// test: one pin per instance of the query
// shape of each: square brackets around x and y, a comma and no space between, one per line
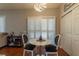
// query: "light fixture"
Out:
[40,6]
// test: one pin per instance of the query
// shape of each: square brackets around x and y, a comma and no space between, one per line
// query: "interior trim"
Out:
[69,11]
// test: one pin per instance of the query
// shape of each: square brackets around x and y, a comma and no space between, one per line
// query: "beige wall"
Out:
[16,19]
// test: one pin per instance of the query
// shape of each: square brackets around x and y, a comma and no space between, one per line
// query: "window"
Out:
[2,23]
[44,26]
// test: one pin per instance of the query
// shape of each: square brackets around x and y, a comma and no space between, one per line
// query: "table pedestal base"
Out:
[40,50]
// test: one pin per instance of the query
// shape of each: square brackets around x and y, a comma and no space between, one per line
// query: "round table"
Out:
[40,45]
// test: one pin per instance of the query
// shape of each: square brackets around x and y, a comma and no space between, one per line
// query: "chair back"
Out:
[57,40]
[24,39]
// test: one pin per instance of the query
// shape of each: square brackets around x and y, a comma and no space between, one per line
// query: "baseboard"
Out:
[62,52]
[3,46]
[14,46]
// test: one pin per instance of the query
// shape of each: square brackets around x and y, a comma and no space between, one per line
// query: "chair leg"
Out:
[24,52]
[32,53]
[57,54]
[46,54]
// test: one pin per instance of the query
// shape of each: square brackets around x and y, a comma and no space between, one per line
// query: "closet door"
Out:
[75,21]
[75,31]
[66,31]
[70,32]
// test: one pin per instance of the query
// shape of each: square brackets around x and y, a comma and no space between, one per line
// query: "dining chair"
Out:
[28,47]
[53,49]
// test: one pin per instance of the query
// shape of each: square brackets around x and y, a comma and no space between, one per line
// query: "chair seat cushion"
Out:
[50,48]
[30,47]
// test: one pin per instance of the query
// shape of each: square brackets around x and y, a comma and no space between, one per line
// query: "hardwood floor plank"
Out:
[13,51]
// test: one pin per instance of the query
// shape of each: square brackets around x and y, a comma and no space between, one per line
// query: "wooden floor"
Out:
[14,51]
[11,51]
[61,52]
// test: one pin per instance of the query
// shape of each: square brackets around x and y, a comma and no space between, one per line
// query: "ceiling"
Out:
[5,6]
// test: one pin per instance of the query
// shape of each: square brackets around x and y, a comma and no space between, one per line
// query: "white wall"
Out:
[16,19]
[15,22]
